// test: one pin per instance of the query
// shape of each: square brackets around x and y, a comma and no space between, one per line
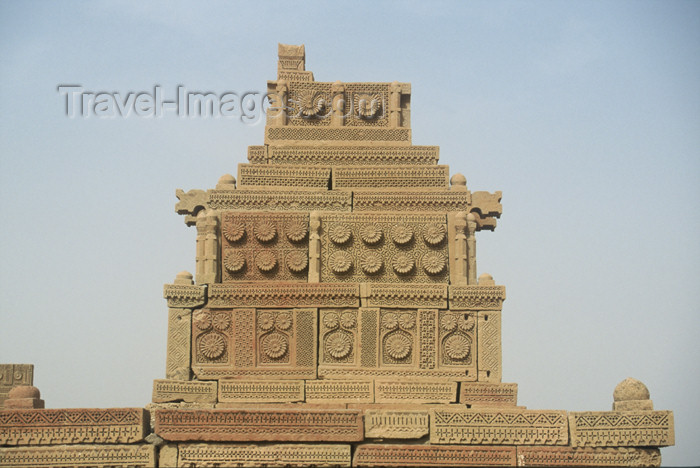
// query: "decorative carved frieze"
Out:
[432,455]
[587,456]
[339,391]
[284,295]
[390,391]
[500,427]
[622,429]
[86,426]
[474,297]
[358,178]
[280,200]
[177,362]
[352,156]
[12,375]
[239,425]
[67,456]
[261,391]
[479,394]
[337,136]
[257,154]
[457,339]
[404,295]
[396,424]
[489,346]
[287,177]
[190,391]
[410,200]
[253,456]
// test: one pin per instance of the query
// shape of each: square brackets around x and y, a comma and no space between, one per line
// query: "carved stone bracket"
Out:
[403,295]
[474,297]
[184,296]
[285,295]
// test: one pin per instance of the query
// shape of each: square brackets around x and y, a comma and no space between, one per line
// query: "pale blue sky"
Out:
[585,114]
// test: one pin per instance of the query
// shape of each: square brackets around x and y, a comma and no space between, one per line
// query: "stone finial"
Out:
[24,396]
[226,182]
[486,280]
[631,395]
[184,277]
[458,182]
[291,57]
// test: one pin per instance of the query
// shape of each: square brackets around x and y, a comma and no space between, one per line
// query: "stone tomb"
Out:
[336,318]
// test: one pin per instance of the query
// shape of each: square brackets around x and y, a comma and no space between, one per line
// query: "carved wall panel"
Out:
[338,337]
[359,178]
[264,246]
[457,338]
[254,343]
[383,248]
[351,156]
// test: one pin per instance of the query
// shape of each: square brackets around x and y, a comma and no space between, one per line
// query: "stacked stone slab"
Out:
[336,317]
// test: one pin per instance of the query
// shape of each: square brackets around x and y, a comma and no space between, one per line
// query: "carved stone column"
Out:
[395,104]
[338,104]
[471,249]
[457,225]
[207,248]
[282,90]
[314,248]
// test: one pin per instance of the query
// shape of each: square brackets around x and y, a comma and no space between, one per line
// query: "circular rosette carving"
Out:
[398,346]
[221,321]
[331,320]
[407,321]
[457,347]
[311,103]
[274,345]
[434,263]
[234,261]
[284,321]
[434,233]
[202,320]
[347,320]
[368,105]
[340,261]
[212,345]
[340,233]
[266,321]
[371,262]
[234,229]
[296,230]
[390,321]
[339,344]
[448,322]
[465,323]
[402,234]
[371,233]
[297,261]
[403,263]
[265,231]
[266,260]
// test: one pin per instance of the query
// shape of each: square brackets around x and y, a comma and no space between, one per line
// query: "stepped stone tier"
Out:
[336,318]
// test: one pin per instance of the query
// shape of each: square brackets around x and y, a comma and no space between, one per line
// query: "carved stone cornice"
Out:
[474,297]
[184,296]
[404,295]
[284,295]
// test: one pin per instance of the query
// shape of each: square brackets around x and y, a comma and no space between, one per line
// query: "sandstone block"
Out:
[622,429]
[288,177]
[260,391]
[231,425]
[499,427]
[67,456]
[431,455]
[192,391]
[276,455]
[387,391]
[478,394]
[339,391]
[12,375]
[587,456]
[358,178]
[396,424]
[167,456]
[61,426]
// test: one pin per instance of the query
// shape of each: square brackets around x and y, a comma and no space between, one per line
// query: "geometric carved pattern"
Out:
[488,394]
[430,455]
[369,337]
[188,391]
[586,456]
[354,156]
[621,428]
[474,297]
[404,295]
[263,391]
[260,425]
[428,350]
[277,455]
[277,135]
[358,178]
[300,178]
[489,346]
[67,456]
[12,375]
[411,201]
[339,391]
[56,426]
[415,392]
[279,200]
[396,424]
[284,295]
[177,364]
[244,337]
[501,427]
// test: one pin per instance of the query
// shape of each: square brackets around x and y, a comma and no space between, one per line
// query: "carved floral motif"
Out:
[402,234]
[398,346]
[275,345]
[367,105]
[371,262]
[234,261]
[371,233]
[212,345]
[296,230]
[265,230]
[434,263]
[340,233]
[221,321]
[234,229]
[297,261]
[434,233]
[457,346]
[339,344]
[340,261]
[266,260]
[403,263]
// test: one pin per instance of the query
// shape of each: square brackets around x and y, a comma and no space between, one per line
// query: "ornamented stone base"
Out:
[238,455]
[430,455]
[65,456]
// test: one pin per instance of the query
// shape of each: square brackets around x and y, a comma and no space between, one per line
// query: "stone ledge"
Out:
[431,455]
[277,455]
[586,456]
[284,295]
[192,391]
[66,456]
[622,429]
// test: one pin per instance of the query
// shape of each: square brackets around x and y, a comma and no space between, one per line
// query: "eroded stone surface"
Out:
[12,375]
[478,394]
[194,391]
[415,392]
[276,455]
[622,428]
[66,456]
[339,391]
[396,424]
[432,455]
[586,456]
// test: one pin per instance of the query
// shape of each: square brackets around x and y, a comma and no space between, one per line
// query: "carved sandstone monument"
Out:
[336,318]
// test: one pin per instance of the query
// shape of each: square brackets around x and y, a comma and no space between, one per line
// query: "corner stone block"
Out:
[192,391]
[622,429]
[276,455]
[586,456]
[430,455]
[67,456]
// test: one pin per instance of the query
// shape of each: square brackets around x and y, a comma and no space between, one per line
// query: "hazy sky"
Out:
[585,114]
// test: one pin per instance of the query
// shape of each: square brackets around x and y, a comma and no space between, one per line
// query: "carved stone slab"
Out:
[622,429]
[587,456]
[65,456]
[412,201]
[498,427]
[192,391]
[431,455]
[86,426]
[318,391]
[184,295]
[284,295]
[473,297]
[260,391]
[391,391]
[403,295]
[353,156]
[239,425]
[280,200]
[478,394]
[287,177]
[12,375]
[281,455]
[396,424]
[375,178]
[337,136]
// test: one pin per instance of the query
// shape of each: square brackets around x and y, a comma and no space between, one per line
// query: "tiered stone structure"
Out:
[336,317]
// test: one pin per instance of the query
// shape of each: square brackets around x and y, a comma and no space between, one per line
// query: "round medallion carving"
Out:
[296,230]
[434,263]
[284,321]
[465,324]
[340,261]
[398,346]
[266,321]
[434,233]
[390,321]
[402,234]
[297,261]
[339,344]
[457,347]
[234,230]
[368,105]
[221,321]
[448,322]
[347,320]
[340,233]
[202,320]
[407,321]
[212,345]
[371,262]
[311,103]
[403,263]
[234,261]
[265,231]
[331,320]
[274,345]
[266,260]
[371,233]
